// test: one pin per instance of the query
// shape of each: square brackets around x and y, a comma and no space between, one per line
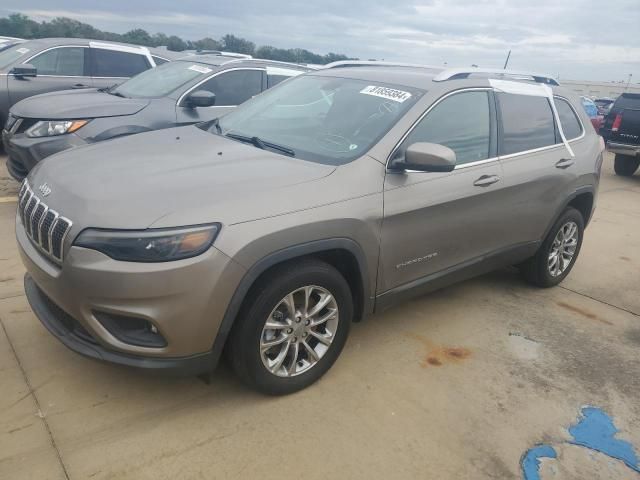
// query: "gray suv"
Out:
[186,91]
[49,64]
[315,204]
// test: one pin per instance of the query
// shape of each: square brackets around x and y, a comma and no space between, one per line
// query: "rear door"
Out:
[539,172]
[434,222]
[58,68]
[231,88]
[111,66]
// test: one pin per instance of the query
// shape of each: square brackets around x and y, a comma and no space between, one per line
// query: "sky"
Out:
[572,39]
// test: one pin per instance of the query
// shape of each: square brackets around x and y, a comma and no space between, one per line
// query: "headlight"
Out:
[153,245]
[49,128]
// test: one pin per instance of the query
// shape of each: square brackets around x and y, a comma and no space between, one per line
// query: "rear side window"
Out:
[527,123]
[275,75]
[570,123]
[112,63]
[68,61]
[461,122]
[234,87]
[158,60]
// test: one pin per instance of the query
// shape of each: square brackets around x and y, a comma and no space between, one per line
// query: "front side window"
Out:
[112,63]
[527,123]
[67,61]
[13,54]
[234,87]
[162,80]
[461,122]
[328,119]
[570,123]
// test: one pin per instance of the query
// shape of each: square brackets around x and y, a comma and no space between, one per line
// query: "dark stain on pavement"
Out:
[438,355]
[583,312]
[633,336]
[626,259]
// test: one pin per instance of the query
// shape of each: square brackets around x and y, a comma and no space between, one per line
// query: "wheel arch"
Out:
[582,199]
[344,254]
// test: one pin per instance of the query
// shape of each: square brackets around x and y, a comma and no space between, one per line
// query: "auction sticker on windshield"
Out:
[388,93]
[199,69]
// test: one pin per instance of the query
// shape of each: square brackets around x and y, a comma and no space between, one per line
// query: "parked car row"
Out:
[191,90]
[265,232]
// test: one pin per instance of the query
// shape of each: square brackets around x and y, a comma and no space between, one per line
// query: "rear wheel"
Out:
[292,328]
[558,252]
[625,165]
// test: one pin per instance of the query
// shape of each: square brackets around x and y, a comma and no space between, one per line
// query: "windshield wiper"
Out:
[258,142]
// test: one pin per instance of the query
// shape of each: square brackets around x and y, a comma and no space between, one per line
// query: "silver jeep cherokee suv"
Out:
[335,194]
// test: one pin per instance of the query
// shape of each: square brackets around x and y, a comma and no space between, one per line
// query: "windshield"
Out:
[162,80]
[11,54]
[324,119]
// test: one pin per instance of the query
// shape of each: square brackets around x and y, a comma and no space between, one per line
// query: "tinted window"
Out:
[275,79]
[460,122]
[235,87]
[570,123]
[60,61]
[527,123]
[158,60]
[111,63]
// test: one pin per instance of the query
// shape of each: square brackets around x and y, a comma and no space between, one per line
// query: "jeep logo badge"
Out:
[44,189]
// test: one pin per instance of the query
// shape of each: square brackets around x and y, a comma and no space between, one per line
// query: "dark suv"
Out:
[190,90]
[621,132]
[48,64]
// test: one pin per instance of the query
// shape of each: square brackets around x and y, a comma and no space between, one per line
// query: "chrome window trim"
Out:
[425,113]
[492,159]
[212,76]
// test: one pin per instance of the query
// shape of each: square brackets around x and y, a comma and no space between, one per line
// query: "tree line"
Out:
[18,25]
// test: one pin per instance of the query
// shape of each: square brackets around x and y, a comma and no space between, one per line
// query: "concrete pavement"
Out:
[457,384]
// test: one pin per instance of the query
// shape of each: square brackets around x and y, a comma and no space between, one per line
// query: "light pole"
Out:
[628,82]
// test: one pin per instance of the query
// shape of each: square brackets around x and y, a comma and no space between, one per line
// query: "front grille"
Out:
[46,228]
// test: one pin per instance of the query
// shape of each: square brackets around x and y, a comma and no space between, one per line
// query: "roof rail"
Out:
[375,63]
[459,73]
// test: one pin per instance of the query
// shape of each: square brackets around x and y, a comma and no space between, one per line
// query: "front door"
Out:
[231,88]
[437,222]
[59,68]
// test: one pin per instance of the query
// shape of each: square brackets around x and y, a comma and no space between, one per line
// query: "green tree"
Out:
[176,44]
[207,43]
[138,36]
[235,44]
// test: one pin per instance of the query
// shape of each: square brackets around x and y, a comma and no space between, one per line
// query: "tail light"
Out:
[616,123]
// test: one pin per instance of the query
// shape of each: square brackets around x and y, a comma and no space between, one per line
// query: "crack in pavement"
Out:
[35,399]
[600,301]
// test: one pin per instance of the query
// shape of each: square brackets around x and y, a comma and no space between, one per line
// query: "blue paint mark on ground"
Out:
[595,430]
[531,461]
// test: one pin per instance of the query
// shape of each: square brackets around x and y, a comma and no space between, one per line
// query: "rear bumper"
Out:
[71,333]
[24,153]
[623,148]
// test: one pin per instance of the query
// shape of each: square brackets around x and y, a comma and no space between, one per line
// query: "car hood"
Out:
[76,104]
[185,174]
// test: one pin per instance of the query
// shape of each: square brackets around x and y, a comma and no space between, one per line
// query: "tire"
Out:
[268,301]
[625,165]
[539,269]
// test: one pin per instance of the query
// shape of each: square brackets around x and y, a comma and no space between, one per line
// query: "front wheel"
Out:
[292,327]
[625,165]
[558,252]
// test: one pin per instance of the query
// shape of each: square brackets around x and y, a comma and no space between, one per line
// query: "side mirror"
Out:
[201,98]
[25,70]
[426,157]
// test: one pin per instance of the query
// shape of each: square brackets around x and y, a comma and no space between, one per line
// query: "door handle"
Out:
[79,85]
[486,180]
[565,163]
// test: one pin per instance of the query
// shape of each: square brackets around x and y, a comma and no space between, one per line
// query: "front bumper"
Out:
[23,153]
[623,148]
[66,329]
[184,300]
